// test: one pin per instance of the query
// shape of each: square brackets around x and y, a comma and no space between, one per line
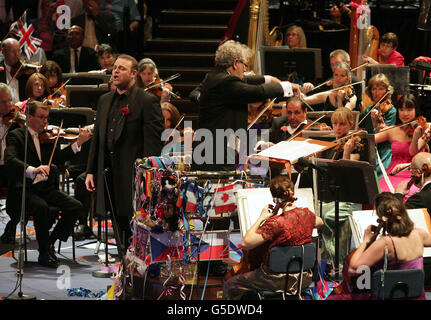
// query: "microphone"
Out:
[304,162]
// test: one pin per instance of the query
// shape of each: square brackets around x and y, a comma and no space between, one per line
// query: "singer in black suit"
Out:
[41,195]
[129,125]
[87,58]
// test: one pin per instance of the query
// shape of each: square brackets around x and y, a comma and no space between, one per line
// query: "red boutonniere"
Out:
[1,68]
[125,110]
[284,128]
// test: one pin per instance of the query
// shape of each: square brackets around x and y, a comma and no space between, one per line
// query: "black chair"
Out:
[289,260]
[54,212]
[397,284]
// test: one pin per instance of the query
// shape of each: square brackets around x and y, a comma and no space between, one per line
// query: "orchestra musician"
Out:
[41,195]
[148,74]
[335,57]
[402,140]
[400,247]
[7,123]
[284,127]
[295,37]
[11,69]
[36,89]
[376,117]
[333,99]
[293,226]
[342,122]
[53,73]
[420,170]
[387,53]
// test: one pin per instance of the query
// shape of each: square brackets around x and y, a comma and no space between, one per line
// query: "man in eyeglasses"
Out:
[387,53]
[224,97]
[45,193]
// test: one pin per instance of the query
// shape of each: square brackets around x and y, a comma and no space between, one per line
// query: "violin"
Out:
[157,86]
[50,134]
[349,282]
[356,139]
[24,68]
[14,116]
[348,92]
[267,116]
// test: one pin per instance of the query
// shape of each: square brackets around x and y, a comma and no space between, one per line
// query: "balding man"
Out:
[9,64]
[420,167]
[76,57]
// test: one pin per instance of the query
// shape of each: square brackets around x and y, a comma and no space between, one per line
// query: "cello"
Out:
[349,282]
[252,259]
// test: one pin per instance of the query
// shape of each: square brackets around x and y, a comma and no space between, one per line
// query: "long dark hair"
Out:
[411,102]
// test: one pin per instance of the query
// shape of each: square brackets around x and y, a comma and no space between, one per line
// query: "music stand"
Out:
[345,181]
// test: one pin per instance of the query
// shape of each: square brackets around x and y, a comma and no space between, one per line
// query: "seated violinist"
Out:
[420,170]
[333,99]
[36,89]
[11,69]
[148,75]
[404,141]
[40,195]
[284,127]
[290,227]
[387,53]
[401,246]
[379,114]
[342,122]
[52,71]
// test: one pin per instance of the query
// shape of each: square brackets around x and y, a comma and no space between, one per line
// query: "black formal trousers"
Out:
[40,196]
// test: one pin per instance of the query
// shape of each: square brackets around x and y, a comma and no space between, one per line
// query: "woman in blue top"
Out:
[382,116]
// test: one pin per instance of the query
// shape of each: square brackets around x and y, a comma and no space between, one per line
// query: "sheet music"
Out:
[360,220]
[252,201]
[291,150]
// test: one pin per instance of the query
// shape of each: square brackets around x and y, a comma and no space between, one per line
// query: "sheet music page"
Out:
[360,220]
[291,150]
[252,201]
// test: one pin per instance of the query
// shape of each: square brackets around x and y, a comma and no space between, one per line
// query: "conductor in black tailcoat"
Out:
[129,124]
[225,94]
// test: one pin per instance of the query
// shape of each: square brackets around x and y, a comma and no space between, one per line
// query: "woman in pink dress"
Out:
[404,142]
[401,243]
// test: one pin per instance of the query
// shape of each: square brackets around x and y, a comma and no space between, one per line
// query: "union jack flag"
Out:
[24,34]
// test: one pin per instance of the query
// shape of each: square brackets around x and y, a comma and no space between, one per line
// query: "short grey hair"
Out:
[4,88]
[229,51]
[340,53]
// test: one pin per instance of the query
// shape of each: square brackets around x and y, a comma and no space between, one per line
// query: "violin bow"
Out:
[176,126]
[14,76]
[261,113]
[397,126]
[55,143]
[296,134]
[375,105]
[345,86]
[152,85]
[305,102]
[59,88]
[360,66]
[347,136]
